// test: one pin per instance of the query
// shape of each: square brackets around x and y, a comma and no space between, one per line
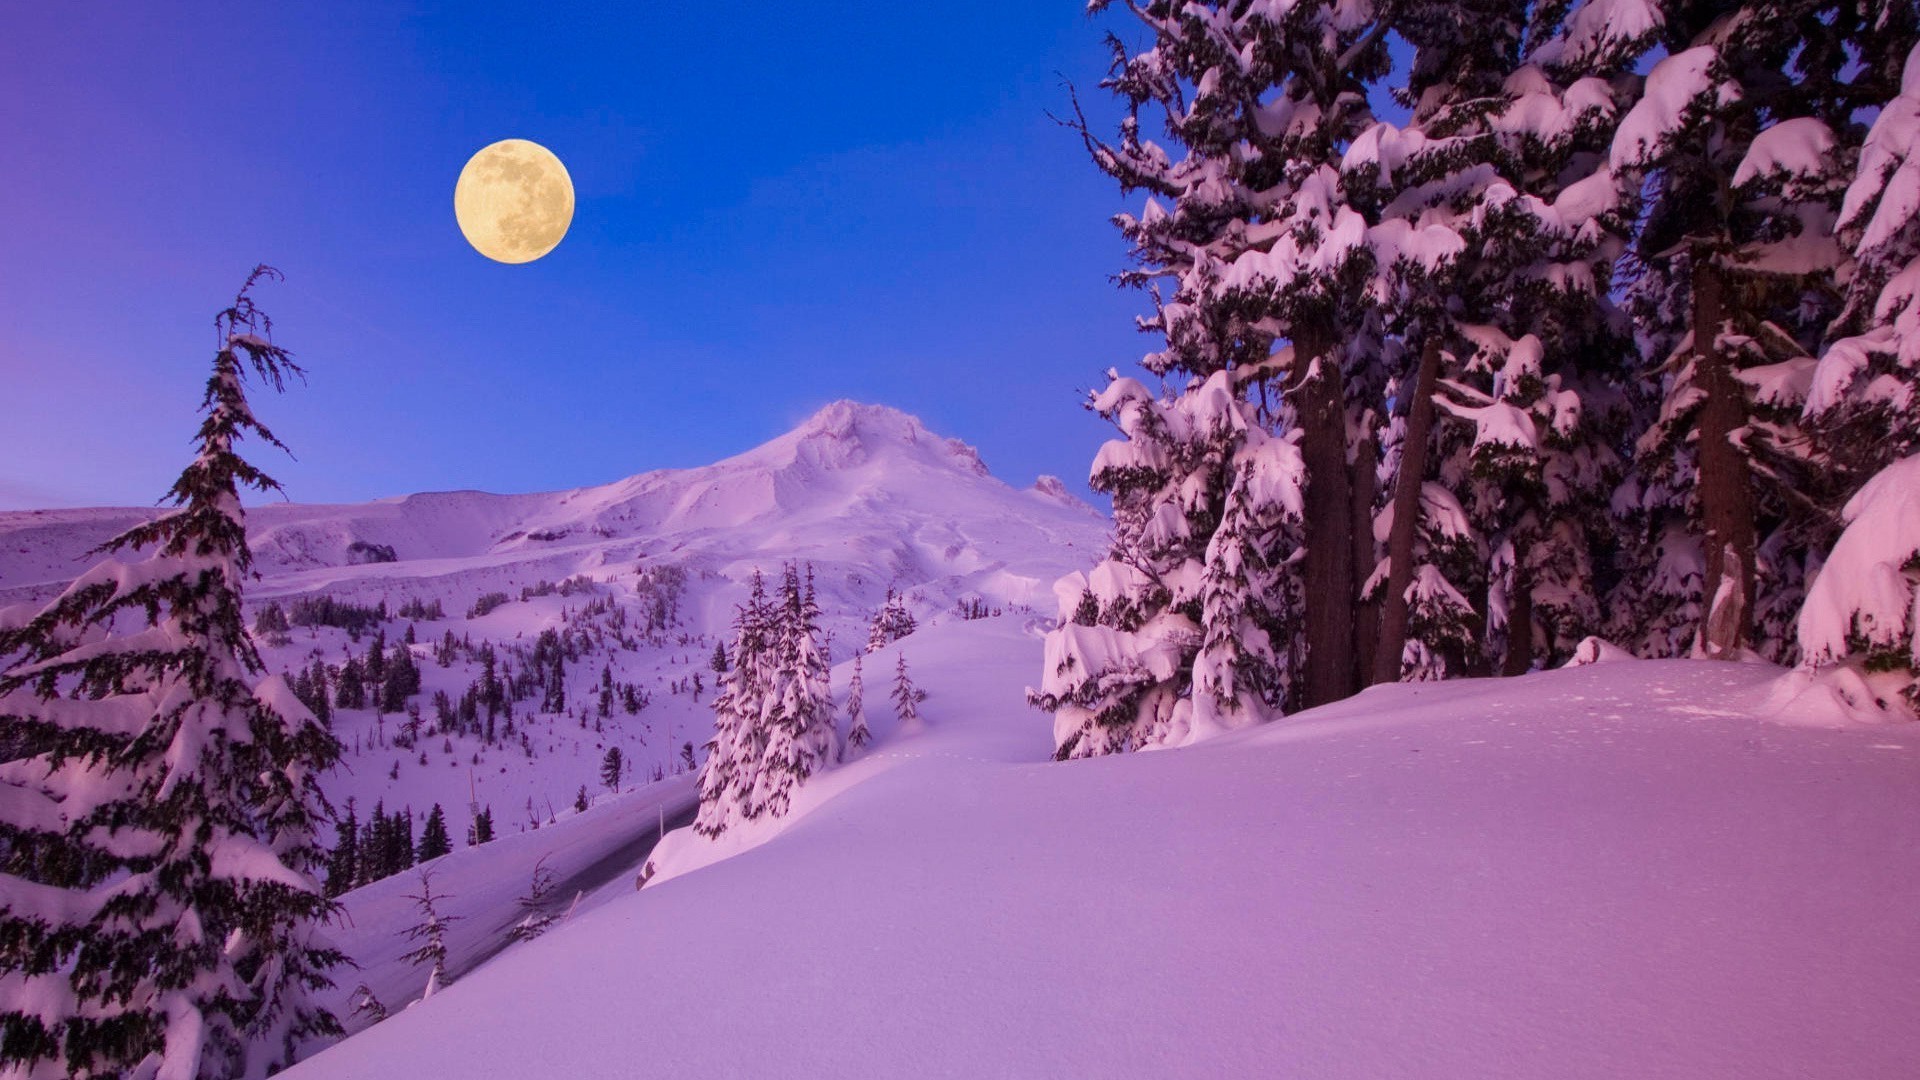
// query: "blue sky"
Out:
[777,206]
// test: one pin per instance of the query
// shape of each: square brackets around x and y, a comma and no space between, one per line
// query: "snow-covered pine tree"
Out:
[906,696]
[1741,139]
[1862,613]
[431,933]
[1191,628]
[159,824]
[797,710]
[729,771]
[537,919]
[1494,230]
[1864,401]
[858,734]
[612,768]
[891,623]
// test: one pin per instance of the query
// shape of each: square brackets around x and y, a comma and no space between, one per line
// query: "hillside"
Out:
[1636,868]
[637,580]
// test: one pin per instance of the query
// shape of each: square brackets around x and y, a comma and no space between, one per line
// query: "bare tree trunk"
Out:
[1366,613]
[1406,516]
[1725,485]
[1329,578]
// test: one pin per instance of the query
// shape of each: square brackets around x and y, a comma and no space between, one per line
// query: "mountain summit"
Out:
[865,492]
[847,433]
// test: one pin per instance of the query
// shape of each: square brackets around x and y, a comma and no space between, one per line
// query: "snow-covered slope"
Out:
[863,493]
[1627,869]
[863,489]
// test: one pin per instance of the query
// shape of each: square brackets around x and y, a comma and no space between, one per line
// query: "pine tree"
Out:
[1864,401]
[161,760]
[891,623]
[1232,588]
[351,692]
[612,768]
[1861,621]
[481,831]
[858,735]
[1740,140]
[431,933]
[373,846]
[434,841]
[343,865]
[322,695]
[401,854]
[374,668]
[796,710]
[729,771]
[906,697]
[1494,225]
[537,919]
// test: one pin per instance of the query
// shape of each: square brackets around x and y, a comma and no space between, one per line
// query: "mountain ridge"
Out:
[855,484]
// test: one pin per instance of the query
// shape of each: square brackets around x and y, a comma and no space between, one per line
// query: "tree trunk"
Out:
[1406,517]
[1725,486]
[1366,613]
[1519,658]
[1329,580]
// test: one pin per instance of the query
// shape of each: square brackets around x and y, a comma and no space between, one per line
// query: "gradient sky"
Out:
[777,206]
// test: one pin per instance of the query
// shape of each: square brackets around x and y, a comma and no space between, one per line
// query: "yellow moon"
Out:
[514,201]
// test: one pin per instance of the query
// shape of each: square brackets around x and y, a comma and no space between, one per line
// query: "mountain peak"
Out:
[848,432]
[846,418]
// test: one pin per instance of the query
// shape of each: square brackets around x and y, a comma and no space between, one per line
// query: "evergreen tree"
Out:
[537,918]
[351,692]
[906,697]
[1864,401]
[1740,261]
[431,933]
[1861,621]
[434,841]
[481,831]
[796,709]
[271,623]
[1494,225]
[162,760]
[374,669]
[400,849]
[322,694]
[858,735]
[1232,587]
[612,768]
[891,623]
[728,774]
[373,846]
[343,866]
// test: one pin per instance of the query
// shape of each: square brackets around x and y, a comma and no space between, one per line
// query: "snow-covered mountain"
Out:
[864,492]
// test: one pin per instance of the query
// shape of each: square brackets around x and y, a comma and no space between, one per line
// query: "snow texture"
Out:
[1615,870]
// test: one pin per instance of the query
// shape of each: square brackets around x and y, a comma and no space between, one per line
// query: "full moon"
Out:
[514,201]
